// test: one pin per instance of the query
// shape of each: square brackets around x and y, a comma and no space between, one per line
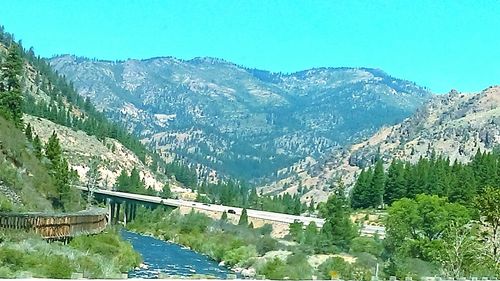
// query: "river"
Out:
[161,257]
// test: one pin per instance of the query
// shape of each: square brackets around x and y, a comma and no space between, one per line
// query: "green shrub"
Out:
[266,244]
[5,204]
[274,269]
[366,244]
[335,268]
[58,267]
[239,255]
[5,272]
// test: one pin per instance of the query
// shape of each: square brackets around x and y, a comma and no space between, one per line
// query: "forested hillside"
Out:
[40,102]
[246,123]
[454,126]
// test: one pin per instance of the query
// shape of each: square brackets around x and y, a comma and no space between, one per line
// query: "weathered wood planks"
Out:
[56,226]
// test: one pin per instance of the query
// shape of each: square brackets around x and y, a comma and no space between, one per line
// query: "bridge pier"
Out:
[117,213]
[111,211]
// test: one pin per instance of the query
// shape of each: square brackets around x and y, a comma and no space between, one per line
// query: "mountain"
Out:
[48,105]
[455,125]
[241,122]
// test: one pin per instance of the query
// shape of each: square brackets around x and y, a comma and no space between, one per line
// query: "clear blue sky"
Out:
[438,44]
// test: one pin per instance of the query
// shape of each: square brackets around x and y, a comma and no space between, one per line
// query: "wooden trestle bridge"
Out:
[57,226]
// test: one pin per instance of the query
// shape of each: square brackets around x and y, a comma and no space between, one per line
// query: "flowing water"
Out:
[160,257]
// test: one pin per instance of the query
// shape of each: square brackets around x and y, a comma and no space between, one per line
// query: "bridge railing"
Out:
[55,226]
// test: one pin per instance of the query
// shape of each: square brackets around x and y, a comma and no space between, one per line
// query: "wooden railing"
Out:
[56,226]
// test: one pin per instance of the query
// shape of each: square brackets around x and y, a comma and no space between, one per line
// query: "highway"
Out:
[270,216]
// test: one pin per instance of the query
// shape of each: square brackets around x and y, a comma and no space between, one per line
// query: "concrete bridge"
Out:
[57,226]
[279,221]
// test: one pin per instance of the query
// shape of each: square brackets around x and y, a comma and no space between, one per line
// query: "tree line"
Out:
[443,218]
[436,175]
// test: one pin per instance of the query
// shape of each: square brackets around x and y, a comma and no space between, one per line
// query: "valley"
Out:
[244,123]
[198,167]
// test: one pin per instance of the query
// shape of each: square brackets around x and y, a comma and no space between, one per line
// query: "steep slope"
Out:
[242,122]
[80,149]
[85,135]
[25,183]
[455,125]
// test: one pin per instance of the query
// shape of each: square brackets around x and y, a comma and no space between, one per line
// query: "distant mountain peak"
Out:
[243,122]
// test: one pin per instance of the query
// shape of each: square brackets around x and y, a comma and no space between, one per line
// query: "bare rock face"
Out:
[243,122]
[454,125]
[80,149]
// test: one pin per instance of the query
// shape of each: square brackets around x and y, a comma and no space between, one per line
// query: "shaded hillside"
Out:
[454,125]
[242,122]
[25,183]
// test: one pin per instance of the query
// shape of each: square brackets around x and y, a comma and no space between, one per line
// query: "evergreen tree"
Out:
[361,191]
[296,230]
[253,198]
[224,216]
[377,185]
[62,181]
[311,234]
[28,132]
[395,186]
[338,230]
[243,218]
[488,204]
[37,147]
[53,149]
[165,191]
[311,206]
[11,101]
[122,182]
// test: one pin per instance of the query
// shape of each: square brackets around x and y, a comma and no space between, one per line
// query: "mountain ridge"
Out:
[248,123]
[455,125]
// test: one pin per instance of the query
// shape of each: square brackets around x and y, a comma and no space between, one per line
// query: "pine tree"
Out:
[243,218]
[165,191]
[311,206]
[338,230]
[361,191]
[11,100]
[122,182]
[28,132]
[376,193]
[311,234]
[224,216]
[37,147]
[253,198]
[395,186]
[53,149]
[62,180]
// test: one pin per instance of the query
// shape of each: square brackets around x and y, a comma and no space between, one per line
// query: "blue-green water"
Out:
[170,259]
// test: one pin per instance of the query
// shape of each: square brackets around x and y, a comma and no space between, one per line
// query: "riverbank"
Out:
[105,255]
[249,251]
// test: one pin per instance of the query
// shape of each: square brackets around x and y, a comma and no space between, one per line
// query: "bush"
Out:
[366,244]
[266,229]
[335,268]
[111,246]
[297,267]
[266,244]
[274,269]
[5,204]
[239,255]
[58,267]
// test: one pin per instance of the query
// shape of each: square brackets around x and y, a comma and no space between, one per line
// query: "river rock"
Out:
[249,272]
[222,263]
